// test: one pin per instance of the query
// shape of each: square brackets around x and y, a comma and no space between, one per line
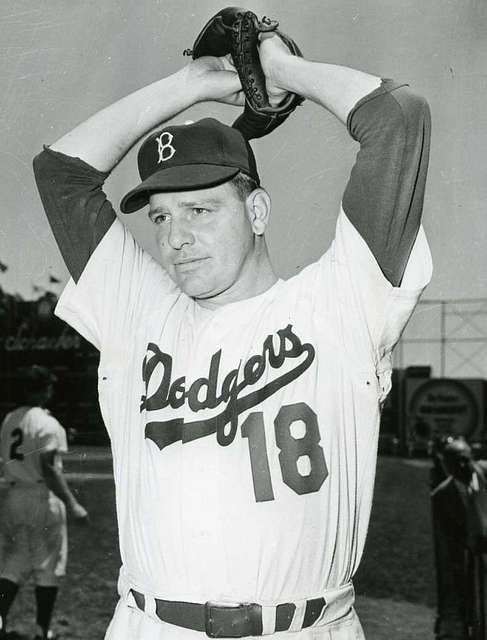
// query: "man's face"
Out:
[205,239]
[458,462]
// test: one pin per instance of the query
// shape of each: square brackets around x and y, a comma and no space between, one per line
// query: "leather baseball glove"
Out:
[236,31]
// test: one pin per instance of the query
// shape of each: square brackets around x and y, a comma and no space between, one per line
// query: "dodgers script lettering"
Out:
[208,392]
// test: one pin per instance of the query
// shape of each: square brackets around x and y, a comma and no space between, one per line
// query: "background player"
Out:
[33,535]
[290,376]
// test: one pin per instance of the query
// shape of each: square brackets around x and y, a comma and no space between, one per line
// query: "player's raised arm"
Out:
[384,196]
[71,172]
[106,137]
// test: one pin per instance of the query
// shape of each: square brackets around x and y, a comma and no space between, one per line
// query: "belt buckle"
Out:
[210,631]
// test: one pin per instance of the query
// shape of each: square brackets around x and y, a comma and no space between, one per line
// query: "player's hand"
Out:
[79,513]
[273,54]
[216,79]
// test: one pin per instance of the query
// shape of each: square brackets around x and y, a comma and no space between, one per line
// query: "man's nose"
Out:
[180,234]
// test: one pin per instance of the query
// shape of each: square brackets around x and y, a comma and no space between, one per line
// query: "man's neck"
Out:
[255,280]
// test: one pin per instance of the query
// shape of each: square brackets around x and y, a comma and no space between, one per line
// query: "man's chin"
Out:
[196,289]
[199,288]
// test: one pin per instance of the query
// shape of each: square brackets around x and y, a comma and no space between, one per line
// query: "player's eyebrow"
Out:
[211,202]
[202,202]
[188,204]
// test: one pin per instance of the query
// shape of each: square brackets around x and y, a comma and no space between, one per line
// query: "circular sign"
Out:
[442,407]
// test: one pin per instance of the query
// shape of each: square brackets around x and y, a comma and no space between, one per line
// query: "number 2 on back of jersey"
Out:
[295,452]
[17,436]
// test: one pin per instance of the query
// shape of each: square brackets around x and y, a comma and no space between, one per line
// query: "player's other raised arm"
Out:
[105,138]
[384,196]
[71,172]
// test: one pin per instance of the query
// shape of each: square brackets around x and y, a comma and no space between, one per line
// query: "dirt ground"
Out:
[394,585]
[385,619]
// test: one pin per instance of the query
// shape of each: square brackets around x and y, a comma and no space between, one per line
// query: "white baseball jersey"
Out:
[25,433]
[244,439]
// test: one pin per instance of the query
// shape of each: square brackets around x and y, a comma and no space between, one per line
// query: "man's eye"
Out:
[160,218]
[199,211]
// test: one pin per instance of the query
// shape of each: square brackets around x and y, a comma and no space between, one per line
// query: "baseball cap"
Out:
[37,378]
[457,447]
[187,157]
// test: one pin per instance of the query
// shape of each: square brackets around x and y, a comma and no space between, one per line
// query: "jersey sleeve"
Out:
[119,285]
[51,435]
[379,263]
[384,196]
[76,206]
[62,439]
[113,280]
[370,312]
[2,463]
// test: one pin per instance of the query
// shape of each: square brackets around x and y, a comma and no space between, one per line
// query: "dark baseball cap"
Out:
[187,157]
[457,448]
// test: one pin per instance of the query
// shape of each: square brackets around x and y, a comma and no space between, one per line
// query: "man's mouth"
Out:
[186,264]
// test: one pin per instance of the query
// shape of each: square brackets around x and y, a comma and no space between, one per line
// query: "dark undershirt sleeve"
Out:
[76,206]
[384,196]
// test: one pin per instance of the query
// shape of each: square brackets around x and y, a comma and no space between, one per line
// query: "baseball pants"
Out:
[33,536]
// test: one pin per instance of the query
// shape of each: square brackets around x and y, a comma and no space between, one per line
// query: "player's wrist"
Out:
[184,90]
[209,79]
[197,83]
[284,73]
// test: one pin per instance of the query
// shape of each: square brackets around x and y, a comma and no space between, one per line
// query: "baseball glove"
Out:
[236,31]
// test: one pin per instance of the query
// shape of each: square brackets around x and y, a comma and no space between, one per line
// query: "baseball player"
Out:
[243,410]
[33,534]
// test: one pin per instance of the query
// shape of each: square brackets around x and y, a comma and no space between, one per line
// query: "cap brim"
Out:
[187,177]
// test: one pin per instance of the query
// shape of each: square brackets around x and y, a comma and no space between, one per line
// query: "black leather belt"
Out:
[228,621]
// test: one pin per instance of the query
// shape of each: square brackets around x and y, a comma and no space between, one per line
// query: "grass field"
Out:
[394,585]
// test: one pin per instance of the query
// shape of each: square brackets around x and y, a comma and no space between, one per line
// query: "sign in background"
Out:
[444,406]
[31,334]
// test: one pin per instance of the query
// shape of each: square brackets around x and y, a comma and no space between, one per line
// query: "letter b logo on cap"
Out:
[164,147]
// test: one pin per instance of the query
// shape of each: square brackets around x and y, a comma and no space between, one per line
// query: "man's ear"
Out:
[258,206]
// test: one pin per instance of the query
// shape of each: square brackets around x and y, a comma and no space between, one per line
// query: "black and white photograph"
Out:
[243,320]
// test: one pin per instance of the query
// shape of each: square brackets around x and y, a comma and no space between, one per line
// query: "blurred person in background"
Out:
[33,532]
[459,507]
